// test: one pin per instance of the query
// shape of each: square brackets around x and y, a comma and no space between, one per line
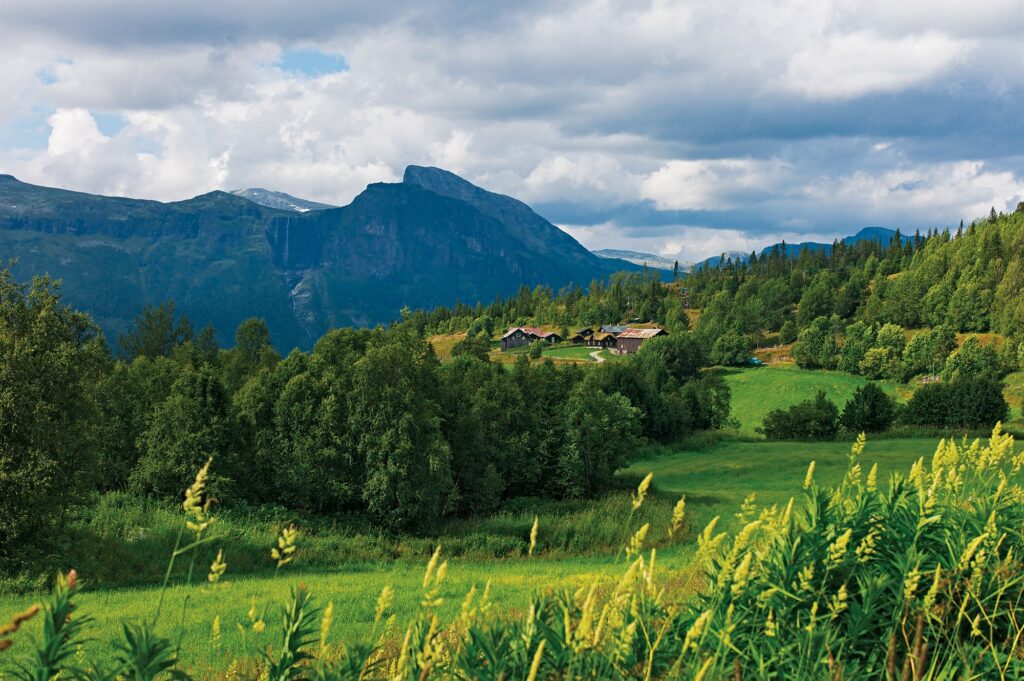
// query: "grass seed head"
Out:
[217,568]
[641,491]
[431,566]
[284,552]
[809,478]
[678,513]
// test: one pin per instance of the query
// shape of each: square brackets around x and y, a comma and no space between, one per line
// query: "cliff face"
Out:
[427,241]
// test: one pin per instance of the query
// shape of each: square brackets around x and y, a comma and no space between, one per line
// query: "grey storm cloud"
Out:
[651,125]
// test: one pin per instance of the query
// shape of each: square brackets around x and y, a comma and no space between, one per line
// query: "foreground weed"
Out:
[917,579]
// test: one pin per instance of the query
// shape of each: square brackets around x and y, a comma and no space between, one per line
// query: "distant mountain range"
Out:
[426,241]
[644,259]
[878,234]
[265,197]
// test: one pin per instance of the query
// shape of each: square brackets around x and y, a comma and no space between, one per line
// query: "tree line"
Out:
[368,422]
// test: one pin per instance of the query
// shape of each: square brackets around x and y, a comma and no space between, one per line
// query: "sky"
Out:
[679,128]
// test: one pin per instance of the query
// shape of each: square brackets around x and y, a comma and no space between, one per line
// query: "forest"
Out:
[369,422]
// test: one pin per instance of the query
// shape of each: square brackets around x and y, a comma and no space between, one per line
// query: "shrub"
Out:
[788,332]
[731,348]
[814,419]
[972,360]
[536,349]
[881,363]
[870,410]
[474,346]
[964,403]
[816,346]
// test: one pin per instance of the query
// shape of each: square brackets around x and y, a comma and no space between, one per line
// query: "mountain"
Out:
[280,200]
[649,259]
[426,241]
[881,235]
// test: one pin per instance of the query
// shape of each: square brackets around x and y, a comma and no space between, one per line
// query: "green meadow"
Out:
[757,391]
[350,570]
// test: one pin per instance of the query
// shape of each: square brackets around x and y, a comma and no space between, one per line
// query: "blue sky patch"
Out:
[312,63]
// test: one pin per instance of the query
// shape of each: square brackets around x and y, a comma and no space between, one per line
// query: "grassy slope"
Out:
[714,480]
[755,392]
[353,593]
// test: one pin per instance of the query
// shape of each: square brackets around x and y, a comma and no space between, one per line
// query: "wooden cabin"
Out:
[629,341]
[518,336]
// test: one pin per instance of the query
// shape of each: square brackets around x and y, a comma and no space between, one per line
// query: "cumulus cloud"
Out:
[710,184]
[932,193]
[667,125]
[851,65]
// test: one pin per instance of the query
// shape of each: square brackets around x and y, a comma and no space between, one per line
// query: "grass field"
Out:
[714,476]
[353,592]
[576,539]
[717,478]
[444,343]
[757,391]
[574,352]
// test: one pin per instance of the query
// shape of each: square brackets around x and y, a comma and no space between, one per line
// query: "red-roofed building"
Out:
[518,336]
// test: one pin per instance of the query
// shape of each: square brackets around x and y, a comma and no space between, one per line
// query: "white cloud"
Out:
[709,184]
[763,115]
[942,193]
[844,66]
[73,131]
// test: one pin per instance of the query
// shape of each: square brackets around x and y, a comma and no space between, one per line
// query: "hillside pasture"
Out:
[757,391]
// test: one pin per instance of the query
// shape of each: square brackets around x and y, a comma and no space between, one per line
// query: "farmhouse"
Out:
[601,340]
[581,337]
[629,341]
[518,336]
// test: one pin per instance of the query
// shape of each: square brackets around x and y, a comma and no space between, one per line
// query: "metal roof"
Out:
[641,333]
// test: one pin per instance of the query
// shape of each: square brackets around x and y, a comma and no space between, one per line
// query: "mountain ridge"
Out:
[279,200]
[422,243]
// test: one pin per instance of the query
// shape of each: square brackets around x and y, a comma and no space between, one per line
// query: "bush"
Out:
[965,403]
[788,332]
[881,363]
[815,419]
[816,346]
[972,360]
[536,349]
[870,410]
[731,348]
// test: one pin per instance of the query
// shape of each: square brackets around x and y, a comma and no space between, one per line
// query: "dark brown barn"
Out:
[630,340]
[518,336]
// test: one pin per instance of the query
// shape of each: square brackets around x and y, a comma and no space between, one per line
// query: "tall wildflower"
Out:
[217,568]
[533,535]
[284,552]
[194,505]
[678,512]
[809,478]
[641,491]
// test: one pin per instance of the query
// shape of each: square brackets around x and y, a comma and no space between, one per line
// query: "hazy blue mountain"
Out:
[427,241]
[272,199]
[638,258]
[879,234]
